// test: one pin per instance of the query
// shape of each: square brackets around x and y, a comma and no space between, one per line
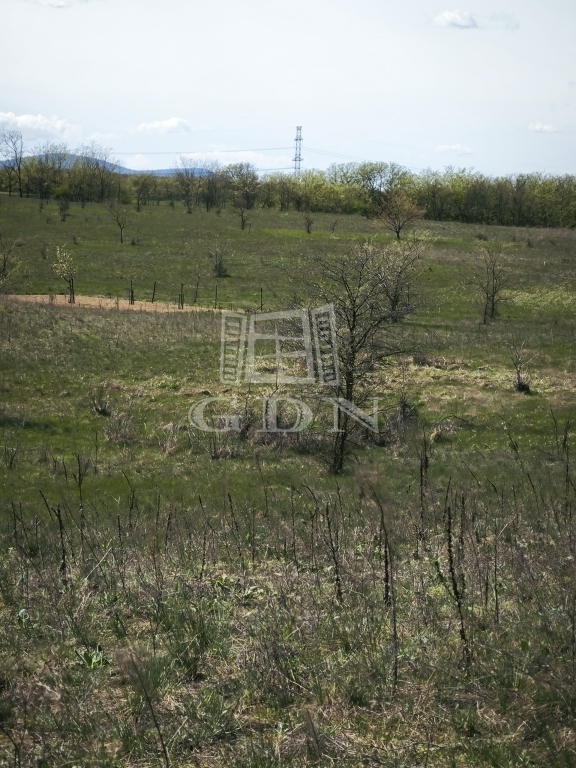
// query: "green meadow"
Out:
[174,597]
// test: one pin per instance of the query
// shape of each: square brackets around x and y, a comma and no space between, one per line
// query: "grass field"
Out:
[186,598]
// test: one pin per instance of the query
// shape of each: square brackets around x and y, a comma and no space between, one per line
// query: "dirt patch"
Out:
[98,302]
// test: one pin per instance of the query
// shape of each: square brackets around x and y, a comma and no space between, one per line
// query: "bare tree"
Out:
[217,254]
[490,277]
[244,219]
[354,284]
[120,216]
[12,150]
[333,224]
[198,275]
[213,183]
[65,268]
[397,211]
[63,205]
[96,170]
[8,264]
[398,273]
[520,360]
[187,177]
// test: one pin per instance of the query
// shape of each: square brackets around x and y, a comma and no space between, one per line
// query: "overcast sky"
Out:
[489,85]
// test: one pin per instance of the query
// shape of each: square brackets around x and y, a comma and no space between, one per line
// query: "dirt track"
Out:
[97,302]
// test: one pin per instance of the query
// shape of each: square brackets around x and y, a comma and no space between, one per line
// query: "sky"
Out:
[489,85]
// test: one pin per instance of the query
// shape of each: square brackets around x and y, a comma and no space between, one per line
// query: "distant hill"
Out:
[158,172]
[71,159]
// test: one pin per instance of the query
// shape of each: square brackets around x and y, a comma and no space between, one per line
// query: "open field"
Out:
[177,597]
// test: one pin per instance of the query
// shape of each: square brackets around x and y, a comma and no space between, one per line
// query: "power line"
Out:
[335,154]
[297,160]
[206,151]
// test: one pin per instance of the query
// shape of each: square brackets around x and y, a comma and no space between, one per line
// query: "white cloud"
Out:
[465,20]
[171,125]
[455,149]
[38,126]
[457,18]
[541,128]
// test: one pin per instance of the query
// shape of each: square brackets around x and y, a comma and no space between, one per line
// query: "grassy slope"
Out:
[243,541]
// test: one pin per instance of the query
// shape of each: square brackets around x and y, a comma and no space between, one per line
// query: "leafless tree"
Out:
[63,206]
[8,263]
[244,219]
[398,273]
[120,216]
[213,182]
[187,177]
[354,284]
[96,166]
[308,222]
[198,275]
[520,360]
[490,276]
[217,255]
[12,151]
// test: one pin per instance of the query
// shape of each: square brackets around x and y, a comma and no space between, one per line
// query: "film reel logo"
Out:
[291,347]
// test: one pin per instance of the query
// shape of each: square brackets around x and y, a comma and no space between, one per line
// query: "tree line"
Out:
[90,174]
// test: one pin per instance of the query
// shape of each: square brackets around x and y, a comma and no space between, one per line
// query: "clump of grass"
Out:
[120,428]
[100,399]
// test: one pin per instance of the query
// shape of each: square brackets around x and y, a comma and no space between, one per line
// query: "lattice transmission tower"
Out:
[297,150]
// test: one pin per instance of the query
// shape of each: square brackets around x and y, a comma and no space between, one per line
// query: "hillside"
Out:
[183,597]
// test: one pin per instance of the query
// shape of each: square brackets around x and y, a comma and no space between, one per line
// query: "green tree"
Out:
[244,184]
[143,187]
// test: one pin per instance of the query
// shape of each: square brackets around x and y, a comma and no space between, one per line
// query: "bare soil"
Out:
[99,302]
